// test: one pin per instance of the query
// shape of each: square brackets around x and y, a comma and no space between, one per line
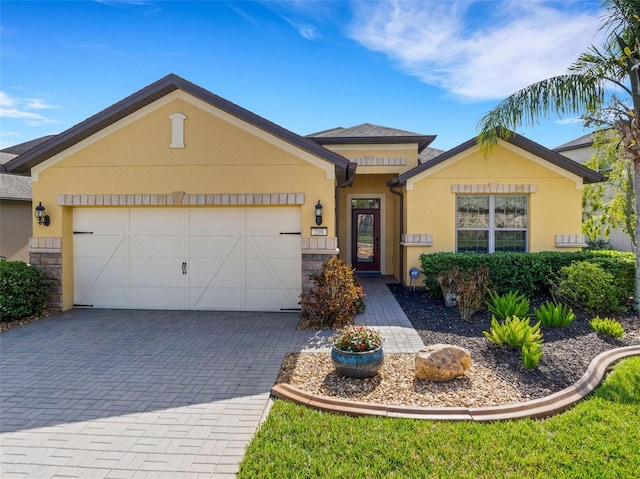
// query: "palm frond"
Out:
[560,95]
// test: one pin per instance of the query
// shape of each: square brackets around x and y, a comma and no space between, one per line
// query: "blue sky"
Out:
[431,67]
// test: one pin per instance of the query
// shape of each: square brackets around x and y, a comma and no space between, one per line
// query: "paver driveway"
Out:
[137,393]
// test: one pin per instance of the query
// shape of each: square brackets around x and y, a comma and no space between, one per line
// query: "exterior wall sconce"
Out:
[41,217]
[318,213]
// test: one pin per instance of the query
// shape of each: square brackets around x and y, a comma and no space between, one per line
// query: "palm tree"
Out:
[583,90]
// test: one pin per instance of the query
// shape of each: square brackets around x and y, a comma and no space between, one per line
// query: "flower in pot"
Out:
[357,351]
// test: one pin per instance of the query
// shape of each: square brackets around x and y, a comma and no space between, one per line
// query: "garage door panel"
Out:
[161,221]
[103,297]
[99,220]
[284,246]
[268,300]
[156,298]
[222,299]
[157,246]
[234,258]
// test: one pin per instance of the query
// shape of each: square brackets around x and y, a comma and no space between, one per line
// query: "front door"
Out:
[365,235]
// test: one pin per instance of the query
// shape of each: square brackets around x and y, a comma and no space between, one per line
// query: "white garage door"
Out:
[242,259]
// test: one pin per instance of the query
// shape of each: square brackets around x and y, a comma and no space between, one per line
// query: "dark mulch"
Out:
[566,352]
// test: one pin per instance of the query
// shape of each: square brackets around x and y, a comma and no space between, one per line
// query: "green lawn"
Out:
[598,438]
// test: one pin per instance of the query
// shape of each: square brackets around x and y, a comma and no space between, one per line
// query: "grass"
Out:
[599,437]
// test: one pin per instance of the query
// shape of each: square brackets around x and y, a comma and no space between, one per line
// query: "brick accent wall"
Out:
[46,255]
[316,252]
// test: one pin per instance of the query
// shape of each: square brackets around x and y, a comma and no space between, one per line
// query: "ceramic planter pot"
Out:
[357,365]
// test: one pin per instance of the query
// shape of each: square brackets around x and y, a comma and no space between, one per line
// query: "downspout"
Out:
[350,174]
[392,184]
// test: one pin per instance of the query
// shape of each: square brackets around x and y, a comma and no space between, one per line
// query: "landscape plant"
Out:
[23,290]
[513,332]
[587,286]
[333,299]
[470,292]
[357,339]
[552,315]
[531,355]
[608,326]
[510,304]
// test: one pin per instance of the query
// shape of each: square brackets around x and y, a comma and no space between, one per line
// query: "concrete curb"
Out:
[536,408]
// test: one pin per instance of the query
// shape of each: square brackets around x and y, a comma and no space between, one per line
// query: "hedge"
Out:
[528,273]
[23,290]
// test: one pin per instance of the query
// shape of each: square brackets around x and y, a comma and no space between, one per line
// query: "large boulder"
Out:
[442,362]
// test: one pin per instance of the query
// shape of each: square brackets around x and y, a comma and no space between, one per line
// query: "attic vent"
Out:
[177,129]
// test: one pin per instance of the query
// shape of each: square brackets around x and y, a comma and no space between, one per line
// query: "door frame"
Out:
[374,196]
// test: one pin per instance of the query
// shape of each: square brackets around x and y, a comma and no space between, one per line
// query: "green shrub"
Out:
[554,315]
[587,286]
[610,327]
[333,300]
[531,355]
[527,273]
[23,290]
[510,304]
[514,332]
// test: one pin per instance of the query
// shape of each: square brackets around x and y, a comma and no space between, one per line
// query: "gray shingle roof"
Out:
[429,154]
[368,133]
[13,187]
[363,130]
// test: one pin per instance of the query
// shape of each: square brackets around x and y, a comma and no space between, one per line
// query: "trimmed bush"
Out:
[334,299]
[527,273]
[587,286]
[23,290]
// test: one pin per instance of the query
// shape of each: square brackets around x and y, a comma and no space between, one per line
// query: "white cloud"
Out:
[477,50]
[21,109]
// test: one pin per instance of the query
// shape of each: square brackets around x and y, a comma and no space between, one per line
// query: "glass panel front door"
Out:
[365,237]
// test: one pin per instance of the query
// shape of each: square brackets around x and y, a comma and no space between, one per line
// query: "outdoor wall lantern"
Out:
[318,213]
[42,218]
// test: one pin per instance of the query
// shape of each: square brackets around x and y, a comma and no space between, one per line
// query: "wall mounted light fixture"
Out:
[318,213]
[41,217]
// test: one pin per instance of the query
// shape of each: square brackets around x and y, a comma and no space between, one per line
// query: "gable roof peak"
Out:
[146,96]
[588,175]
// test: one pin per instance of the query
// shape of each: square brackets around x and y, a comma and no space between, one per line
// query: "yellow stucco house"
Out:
[175,198]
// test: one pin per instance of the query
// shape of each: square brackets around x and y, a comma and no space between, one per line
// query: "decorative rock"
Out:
[442,362]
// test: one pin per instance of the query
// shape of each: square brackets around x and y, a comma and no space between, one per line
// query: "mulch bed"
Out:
[567,352]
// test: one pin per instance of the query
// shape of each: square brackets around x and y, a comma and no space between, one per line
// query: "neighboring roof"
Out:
[584,141]
[587,174]
[15,187]
[16,150]
[24,162]
[368,133]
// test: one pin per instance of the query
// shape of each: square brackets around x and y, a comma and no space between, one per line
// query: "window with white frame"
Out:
[491,223]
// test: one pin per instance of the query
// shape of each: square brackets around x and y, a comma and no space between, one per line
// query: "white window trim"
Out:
[177,129]
[491,248]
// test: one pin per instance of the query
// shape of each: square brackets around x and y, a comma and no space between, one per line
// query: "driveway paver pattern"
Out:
[117,394]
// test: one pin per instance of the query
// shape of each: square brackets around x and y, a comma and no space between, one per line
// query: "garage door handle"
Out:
[184,268]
